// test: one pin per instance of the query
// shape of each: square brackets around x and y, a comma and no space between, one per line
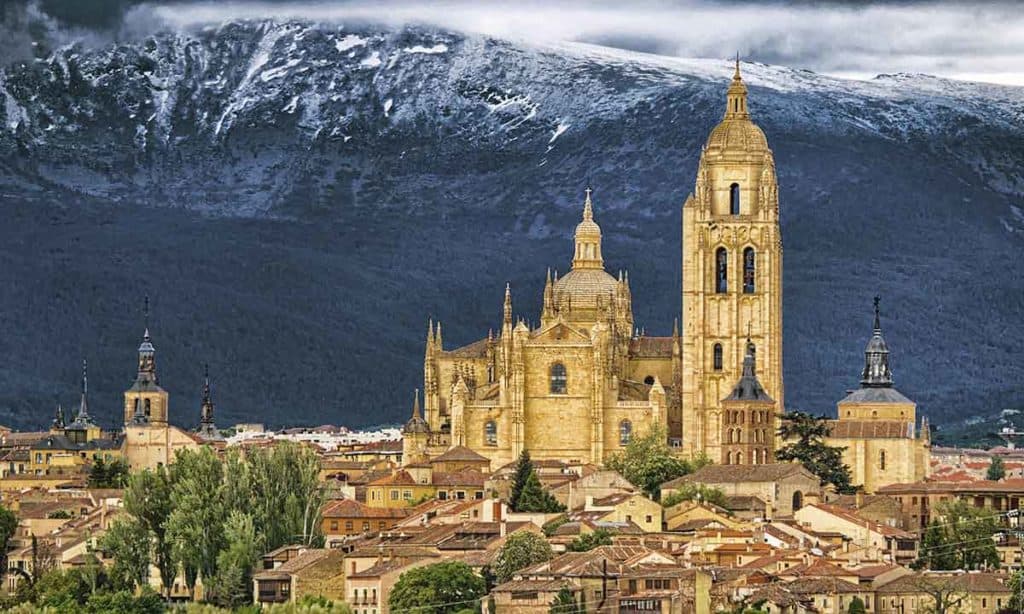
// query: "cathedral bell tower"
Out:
[732,273]
[146,402]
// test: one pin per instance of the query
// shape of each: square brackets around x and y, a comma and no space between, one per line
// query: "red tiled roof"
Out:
[349,508]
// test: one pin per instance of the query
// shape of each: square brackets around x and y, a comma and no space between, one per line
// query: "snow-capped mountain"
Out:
[299,198]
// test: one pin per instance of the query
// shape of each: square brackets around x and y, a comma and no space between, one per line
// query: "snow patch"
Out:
[279,71]
[558,132]
[349,42]
[373,61]
[13,111]
[438,48]
[387,106]
[292,105]
[259,59]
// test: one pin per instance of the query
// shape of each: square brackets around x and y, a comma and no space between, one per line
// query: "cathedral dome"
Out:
[582,287]
[740,135]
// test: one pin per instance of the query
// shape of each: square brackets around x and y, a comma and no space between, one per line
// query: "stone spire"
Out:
[736,96]
[147,353]
[877,373]
[749,388]
[507,311]
[587,254]
[207,428]
[83,408]
[416,423]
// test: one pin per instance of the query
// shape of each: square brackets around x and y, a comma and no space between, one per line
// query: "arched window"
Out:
[649,380]
[718,357]
[734,199]
[881,460]
[728,458]
[147,408]
[491,433]
[748,270]
[728,436]
[558,379]
[739,458]
[721,271]
[625,432]
[798,500]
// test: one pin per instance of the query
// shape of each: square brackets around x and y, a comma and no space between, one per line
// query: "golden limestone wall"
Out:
[734,208]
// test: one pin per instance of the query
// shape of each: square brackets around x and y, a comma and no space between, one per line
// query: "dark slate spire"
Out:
[749,388]
[416,423]
[877,373]
[58,419]
[83,408]
[207,428]
[147,353]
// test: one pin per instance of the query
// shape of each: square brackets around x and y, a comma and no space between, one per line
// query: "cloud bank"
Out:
[977,41]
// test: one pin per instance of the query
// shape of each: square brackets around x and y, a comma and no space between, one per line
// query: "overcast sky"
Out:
[964,40]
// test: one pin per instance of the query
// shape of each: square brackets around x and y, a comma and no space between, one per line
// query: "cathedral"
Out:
[584,382]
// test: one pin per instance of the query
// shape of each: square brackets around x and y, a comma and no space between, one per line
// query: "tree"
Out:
[107,475]
[806,436]
[856,606]
[285,495]
[148,498]
[521,550]
[44,556]
[565,603]
[232,586]
[589,541]
[128,542]
[960,538]
[441,588]
[648,462]
[195,527]
[524,468]
[996,469]
[691,492]
[533,498]
[945,593]
[8,525]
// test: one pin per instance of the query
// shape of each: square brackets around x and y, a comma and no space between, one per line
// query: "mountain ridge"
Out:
[238,173]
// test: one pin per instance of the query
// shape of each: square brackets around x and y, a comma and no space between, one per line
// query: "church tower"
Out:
[146,402]
[207,427]
[732,274]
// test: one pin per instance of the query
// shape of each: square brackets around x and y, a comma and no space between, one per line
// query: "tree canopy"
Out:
[589,541]
[521,550]
[440,588]
[694,492]
[996,469]
[648,462]
[806,435]
[961,537]
[527,494]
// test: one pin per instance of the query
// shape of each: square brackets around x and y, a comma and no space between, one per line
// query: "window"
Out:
[558,379]
[334,525]
[394,495]
[734,199]
[881,460]
[147,408]
[721,271]
[491,433]
[649,380]
[348,525]
[748,270]
[625,432]
[478,495]
[366,525]
[718,357]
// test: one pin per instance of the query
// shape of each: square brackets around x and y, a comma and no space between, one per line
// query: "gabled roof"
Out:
[876,395]
[733,474]
[460,454]
[970,582]
[350,508]
[871,429]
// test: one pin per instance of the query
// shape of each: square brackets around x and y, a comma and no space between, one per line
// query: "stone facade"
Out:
[580,385]
[877,425]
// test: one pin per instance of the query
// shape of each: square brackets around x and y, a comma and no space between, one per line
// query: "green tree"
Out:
[692,492]
[148,498]
[125,602]
[285,495]
[996,469]
[521,550]
[232,586]
[960,538]
[441,588]
[128,542]
[195,527]
[589,541]
[565,603]
[8,525]
[806,435]
[648,462]
[534,498]
[857,606]
[64,591]
[524,468]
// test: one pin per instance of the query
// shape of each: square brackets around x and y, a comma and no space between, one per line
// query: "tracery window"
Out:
[881,460]
[718,357]
[721,271]
[748,270]
[625,432]
[558,379]
[734,199]
[491,433]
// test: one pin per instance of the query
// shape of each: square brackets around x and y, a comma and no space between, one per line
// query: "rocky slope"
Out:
[298,199]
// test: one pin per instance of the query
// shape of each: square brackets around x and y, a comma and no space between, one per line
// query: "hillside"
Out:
[298,198]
